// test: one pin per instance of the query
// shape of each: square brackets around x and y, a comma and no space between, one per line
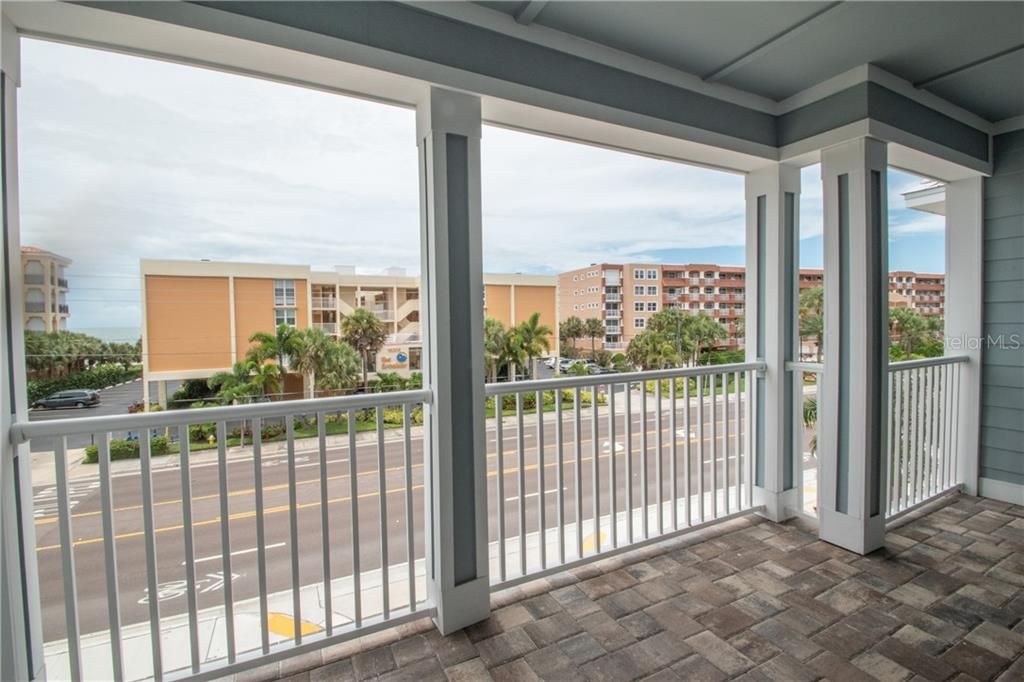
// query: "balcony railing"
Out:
[34,279]
[325,302]
[35,307]
[356,566]
[612,298]
[62,283]
[328,327]
[614,345]
[612,314]
[384,314]
[623,460]
[923,430]
[64,308]
[394,339]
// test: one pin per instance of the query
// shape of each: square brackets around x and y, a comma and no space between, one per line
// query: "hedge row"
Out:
[128,449]
[95,378]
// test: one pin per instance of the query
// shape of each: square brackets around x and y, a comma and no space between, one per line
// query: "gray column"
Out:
[448,130]
[853,403]
[20,625]
[773,200]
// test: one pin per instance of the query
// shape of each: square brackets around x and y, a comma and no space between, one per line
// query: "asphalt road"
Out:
[206,512]
[114,400]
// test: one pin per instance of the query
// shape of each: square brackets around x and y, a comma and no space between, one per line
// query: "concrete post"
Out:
[853,401]
[772,288]
[448,131]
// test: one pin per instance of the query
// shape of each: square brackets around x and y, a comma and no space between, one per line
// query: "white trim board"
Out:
[1001,490]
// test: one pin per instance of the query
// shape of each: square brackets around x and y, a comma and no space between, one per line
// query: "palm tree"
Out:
[651,350]
[533,339]
[277,346]
[235,384]
[364,332]
[312,353]
[673,324]
[570,330]
[495,345]
[266,378]
[812,317]
[342,369]
[704,333]
[593,328]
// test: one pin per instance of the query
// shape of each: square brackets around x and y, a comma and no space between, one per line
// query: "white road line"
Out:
[218,557]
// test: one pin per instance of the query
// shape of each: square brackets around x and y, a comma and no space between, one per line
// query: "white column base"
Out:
[463,605]
[778,506]
[862,536]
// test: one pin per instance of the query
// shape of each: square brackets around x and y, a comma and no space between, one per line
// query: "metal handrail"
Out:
[626,377]
[21,432]
[929,362]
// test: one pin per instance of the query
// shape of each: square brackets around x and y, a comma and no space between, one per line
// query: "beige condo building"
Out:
[198,316]
[45,289]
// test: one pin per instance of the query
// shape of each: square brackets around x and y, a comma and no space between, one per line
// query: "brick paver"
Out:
[944,600]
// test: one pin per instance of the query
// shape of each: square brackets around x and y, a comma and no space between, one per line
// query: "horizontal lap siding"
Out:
[1002,418]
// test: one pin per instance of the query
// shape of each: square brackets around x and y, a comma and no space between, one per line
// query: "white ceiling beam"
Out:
[529,12]
[762,49]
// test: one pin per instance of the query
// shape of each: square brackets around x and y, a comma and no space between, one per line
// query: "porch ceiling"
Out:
[965,52]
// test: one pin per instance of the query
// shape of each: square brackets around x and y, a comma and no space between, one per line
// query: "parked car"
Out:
[551,362]
[76,398]
[597,369]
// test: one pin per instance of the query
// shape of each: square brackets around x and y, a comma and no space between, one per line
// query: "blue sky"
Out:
[125,158]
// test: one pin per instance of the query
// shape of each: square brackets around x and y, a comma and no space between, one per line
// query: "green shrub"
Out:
[270,431]
[128,449]
[201,432]
[95,378]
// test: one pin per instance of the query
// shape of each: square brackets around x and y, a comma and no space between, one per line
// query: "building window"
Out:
[638,291]
[652,306]
[638,274]
[284,316]
[652,274]
[638,306]
[284,292]
[652,291]
[639,323]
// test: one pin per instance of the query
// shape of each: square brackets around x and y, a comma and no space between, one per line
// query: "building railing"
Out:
[318,538]
[328,327]
[613,314]
[401,338]
[62,283]
[31,278]
[923,426]
[35,307]
[614,345]
[614,461]
[385,314]
[325,302]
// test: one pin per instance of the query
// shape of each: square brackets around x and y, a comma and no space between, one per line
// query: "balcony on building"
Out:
[672,523]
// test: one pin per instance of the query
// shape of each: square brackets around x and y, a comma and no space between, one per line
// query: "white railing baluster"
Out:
[751,429]
[353,496]
[325,523]
[67,554]
[149,527]
[190,554]
[688,467]
[261,542]
[410,514]
[673,473]
[382,500]
[560,476]
[578,469]
[725,443]
[595,483]
[293,530]
[541,520]
[700,449]
[612,502]
[737,385]
[628,473]
[714,445]
[225,539]
[906,452]
[110,559]
[643,461]
[521,482]
[499,476]
[658,474]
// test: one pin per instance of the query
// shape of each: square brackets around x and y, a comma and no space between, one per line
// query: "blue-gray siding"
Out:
[1002,397]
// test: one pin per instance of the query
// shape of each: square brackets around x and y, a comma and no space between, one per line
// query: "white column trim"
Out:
[963,316]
